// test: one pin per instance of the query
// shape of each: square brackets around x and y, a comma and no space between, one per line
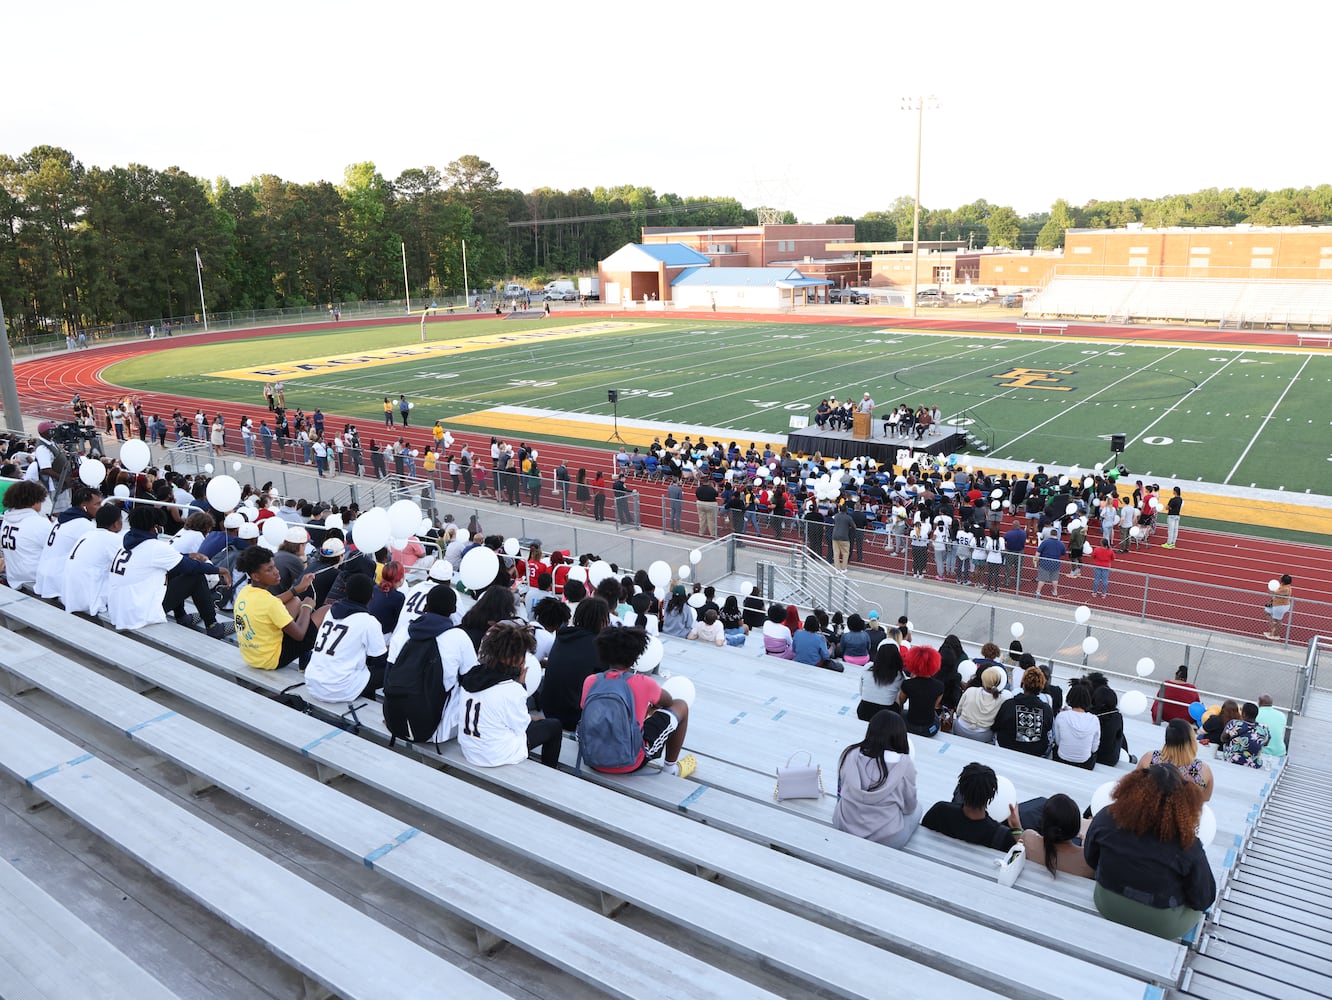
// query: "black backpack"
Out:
[414,695]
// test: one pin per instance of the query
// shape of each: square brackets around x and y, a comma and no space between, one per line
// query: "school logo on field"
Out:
[1035,378]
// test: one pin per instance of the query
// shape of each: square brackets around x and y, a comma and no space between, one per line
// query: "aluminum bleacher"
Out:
[1274,304]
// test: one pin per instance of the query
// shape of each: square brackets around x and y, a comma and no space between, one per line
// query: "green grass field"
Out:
[1215,414]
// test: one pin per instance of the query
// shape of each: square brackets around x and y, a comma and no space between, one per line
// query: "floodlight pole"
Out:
[8,390]
[203,306]
[917,105]
[405,287]
[467,288]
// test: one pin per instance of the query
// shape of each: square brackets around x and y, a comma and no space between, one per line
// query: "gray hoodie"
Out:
[885,815]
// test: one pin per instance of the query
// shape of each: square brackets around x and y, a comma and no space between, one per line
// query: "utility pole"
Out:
[8,389]
[917,104]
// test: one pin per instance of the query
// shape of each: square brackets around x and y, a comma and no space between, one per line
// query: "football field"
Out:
[1190,411]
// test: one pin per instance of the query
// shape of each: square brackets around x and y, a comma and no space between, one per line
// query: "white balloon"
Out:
[403,517]
[1071,509]
[532,679]
[1082,614]
[1274,585]
[534,453]
[1006,796]
[1075,470]
[1063,480]
[333,521]
[479,567]
[995,505]
[223,493]
[910,625]
[235,466]
[274,531]
[1102,796]
[681,688]
[447,439]
[1135,532]
[696,556]
[371,531]
[1016,629]
[135,455]
[91,472]
[208,468]
[1145,666]
[1206,825]
[746,587]
[966,670]
[651,656]
[683,571]
[511,546]
[425,527]
[599,571]
[660,573]
[697,601]
[121,491]
[995,494]
[1087,482]
[1008,504]
[1091,644]
[398,544]
[1133,703]
[1098,466]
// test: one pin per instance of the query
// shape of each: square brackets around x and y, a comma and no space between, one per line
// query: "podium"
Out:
[861,426]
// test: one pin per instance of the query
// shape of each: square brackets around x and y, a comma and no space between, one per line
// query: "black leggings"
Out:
[547,734]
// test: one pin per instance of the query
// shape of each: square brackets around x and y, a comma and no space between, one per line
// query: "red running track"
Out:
[1183,580]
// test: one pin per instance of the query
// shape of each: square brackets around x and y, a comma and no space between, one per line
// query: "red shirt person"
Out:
[1174,698]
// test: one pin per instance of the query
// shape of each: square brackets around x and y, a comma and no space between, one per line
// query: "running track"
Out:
[1178,587]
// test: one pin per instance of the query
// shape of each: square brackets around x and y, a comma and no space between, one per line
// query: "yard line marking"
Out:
[1063,413]
[1262,423]
[1143,433]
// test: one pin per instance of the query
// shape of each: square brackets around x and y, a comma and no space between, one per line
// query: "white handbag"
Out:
[799,781]
[1011,865]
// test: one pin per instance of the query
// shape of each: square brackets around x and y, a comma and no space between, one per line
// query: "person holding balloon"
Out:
[1152,872]
[1279,606]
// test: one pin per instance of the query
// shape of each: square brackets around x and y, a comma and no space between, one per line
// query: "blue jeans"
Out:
[1100,579]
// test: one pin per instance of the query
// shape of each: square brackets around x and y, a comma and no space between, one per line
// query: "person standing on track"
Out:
[1173,507]
[404,408]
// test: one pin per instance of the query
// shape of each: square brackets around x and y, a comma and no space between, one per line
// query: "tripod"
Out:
[613,397]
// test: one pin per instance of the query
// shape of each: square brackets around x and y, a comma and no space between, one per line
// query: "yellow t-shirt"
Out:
[430,462]
[438,432]
[260,619]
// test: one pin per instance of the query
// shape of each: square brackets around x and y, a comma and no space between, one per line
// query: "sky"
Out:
[774,102]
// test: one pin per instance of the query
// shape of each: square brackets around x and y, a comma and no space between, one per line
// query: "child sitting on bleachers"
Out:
[965,817]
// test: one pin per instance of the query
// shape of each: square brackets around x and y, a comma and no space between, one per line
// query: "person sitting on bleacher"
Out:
[71,525]
[1076,733]
[979,706]
[876,784]
[922,692]
[271,631]
[1181,750]
[776,634]
[965,817]
[87,570]
[494,726]
[1024,721]
[1244,738]
[1151,870]
[24,533]
[349,654]
[1058,838]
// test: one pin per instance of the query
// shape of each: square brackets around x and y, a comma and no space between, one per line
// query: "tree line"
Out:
[87,246]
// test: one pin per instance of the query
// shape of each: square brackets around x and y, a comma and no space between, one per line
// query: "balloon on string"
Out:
[650,659]
[1071,509]
[1016,630]
[1098,466]
[447,439]
[680,688]
[1133,703]
[274,531]
[1135,532]
[683,571]
[532,678]
[135,455]
[966,670]
[1087,482]
[1082,614]
[660,573]
[746,587]
[1007,504]
[91,472]
[223,493]
[1102,796]
[235,466]
[995,505]
[1091,644]
[695,556]
[598,571]
[371,531]
[121,491]
[479,568]
[996,494]
[425,527]
[403,518]
[1196,712]
[208,468]
[1274,585]
[1074,471]
[1006,796]
[697,601]
[511,546]
[1145,666]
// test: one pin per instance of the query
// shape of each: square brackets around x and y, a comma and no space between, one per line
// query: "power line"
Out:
[635,213]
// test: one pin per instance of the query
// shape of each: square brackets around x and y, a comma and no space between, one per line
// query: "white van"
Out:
[558,290]
[514,290]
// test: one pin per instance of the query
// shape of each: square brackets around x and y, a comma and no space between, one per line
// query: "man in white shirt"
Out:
[24,531]
[42,468]
[87,569]
[149,577]
[349,654]
[414,604]
[71,525]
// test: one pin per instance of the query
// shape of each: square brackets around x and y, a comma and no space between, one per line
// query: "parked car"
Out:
[928,293]
[1011,301]
[972,295]
[856,296]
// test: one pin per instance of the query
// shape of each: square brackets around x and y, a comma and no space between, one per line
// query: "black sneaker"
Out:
[221,630]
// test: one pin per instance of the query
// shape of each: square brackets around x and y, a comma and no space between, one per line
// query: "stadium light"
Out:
[918,105]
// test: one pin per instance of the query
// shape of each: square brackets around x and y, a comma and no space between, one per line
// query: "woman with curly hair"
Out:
[876,784]
[1151,870]
[495,727]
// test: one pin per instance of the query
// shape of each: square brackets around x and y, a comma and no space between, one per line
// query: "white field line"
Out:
[1263,423]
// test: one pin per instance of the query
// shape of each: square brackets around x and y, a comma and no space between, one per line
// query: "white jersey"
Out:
[186,541]
[87,572]
[137,584]
[492,724]
[337,670]
[413,606]
[59,543]
[23,535]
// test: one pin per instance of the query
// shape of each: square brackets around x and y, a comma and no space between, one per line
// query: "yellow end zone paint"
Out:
[426,351]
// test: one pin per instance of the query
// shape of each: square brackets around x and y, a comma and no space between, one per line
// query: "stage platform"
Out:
[840,444]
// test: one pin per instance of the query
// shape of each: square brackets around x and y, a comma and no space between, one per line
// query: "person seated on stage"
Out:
[822,414]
